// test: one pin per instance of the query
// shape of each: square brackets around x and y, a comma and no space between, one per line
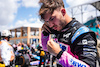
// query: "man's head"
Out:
[6,34]
[53,12]
[48,6]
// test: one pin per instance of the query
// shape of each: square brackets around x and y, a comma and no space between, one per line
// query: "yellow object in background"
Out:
[2,65]
[42,53]
[16,65]
[22,48]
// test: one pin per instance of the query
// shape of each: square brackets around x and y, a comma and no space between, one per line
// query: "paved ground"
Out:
[56,66]
[41,65]
[46,65]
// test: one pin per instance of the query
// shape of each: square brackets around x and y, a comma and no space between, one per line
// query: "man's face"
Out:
[7,38]
[56,20]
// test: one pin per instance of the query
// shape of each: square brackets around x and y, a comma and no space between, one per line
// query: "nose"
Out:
[51,24]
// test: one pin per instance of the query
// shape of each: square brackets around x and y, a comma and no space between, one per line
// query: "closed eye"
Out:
[51,18]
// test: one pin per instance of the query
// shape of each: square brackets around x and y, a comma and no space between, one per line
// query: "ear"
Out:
[63,11]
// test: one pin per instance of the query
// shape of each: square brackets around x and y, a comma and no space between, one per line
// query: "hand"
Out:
[53,47]
[46,27]
[47,30]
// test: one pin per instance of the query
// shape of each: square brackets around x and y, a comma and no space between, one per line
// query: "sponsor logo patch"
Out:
[84,41]
[67,35]
[76,64]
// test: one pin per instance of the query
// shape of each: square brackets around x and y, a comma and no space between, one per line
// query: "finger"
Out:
[48,46]
[52,41]
[46,23]
[46,27]
[45,30]
[48,43]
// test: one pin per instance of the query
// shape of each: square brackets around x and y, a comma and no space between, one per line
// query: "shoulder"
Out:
[82,30]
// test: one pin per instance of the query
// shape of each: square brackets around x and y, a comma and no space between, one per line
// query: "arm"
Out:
[85,48]
[5,53]
[68,60]
[65,59]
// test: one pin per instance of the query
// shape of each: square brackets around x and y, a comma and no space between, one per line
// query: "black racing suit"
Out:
[82,42]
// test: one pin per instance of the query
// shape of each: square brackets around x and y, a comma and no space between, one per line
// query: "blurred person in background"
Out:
[42,55]
[33,47]
[15,47]
[6,50]
[19,46]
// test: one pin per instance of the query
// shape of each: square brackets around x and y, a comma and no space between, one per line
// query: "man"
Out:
[6,50]
[80,41]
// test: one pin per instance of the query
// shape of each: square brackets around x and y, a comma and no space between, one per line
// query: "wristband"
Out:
[59,54]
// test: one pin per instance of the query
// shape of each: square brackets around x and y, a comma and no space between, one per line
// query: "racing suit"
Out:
[81,45]
[6,52]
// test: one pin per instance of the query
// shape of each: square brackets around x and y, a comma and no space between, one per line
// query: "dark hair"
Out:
[48,6]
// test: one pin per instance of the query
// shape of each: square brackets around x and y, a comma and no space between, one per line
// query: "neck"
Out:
[67,18]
